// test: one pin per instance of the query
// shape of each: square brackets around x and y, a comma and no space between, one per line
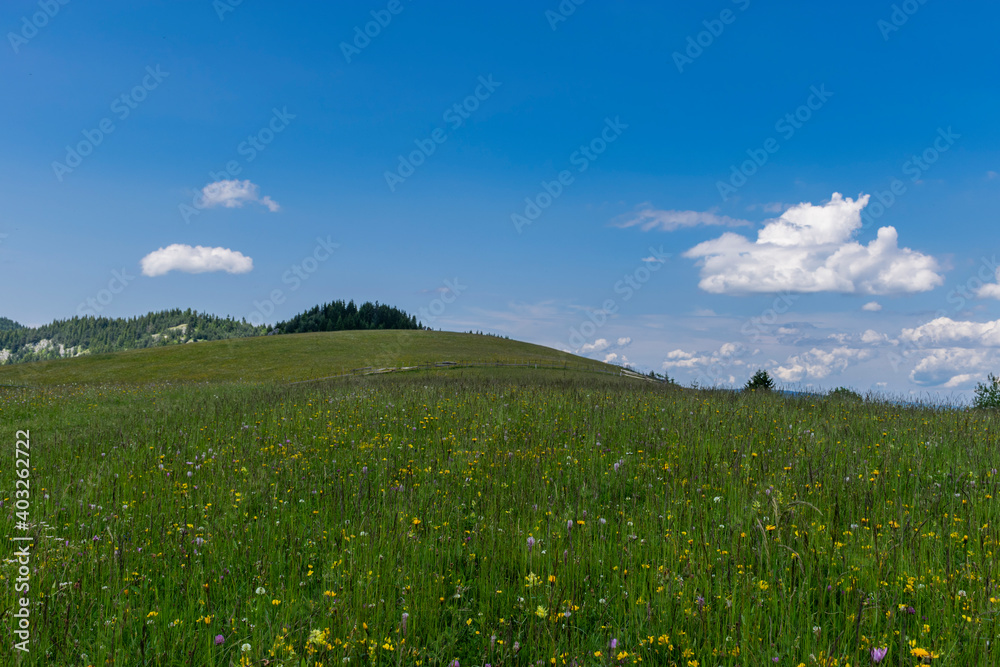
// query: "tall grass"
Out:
[387,521]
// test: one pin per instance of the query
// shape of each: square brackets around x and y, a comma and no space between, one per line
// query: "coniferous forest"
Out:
[94,335]
[340,316]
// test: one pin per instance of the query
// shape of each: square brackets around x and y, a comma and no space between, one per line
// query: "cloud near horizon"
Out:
[234,194]
[810,249]
[196,259]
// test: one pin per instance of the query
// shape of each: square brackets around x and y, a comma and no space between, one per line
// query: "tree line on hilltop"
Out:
[341,316]
[94,335]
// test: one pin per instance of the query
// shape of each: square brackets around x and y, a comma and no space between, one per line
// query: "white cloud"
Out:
[963,380]
[648,218]
[874,338]
[952,366]
[197,259]
[818,364]
[728,354]
[953,353]
[872,306]
[598,345]
[234,194]
[810,249]
[623,341]
[615,358]
[990,290]
[946,332]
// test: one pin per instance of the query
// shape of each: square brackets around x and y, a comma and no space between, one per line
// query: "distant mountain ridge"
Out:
[94,335]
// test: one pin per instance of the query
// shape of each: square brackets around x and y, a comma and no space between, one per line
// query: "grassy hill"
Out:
[288,358]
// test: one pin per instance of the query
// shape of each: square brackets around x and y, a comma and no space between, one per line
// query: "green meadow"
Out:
[190,506]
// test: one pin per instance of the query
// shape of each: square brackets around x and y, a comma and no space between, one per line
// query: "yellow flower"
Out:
[275,602]
[541,612]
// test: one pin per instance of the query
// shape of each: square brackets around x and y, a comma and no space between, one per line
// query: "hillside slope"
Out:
[287,358]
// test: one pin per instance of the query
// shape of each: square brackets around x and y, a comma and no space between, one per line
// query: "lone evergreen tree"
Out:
[760,381]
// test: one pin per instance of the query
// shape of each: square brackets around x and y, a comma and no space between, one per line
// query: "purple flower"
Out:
[219,639]
[531,544]
[879,653]
[402,624]
[614,643]
[569,524]
[453,663]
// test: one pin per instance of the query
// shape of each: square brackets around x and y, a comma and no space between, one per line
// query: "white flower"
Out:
[260,590]
[717,499]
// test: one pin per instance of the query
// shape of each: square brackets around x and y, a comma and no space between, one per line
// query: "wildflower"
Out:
[879,653]
[219,639]
[453,663]
[531,543]
[260,590]
[569,525]
[402,624]
[613,644]
[541,612]
[245,648]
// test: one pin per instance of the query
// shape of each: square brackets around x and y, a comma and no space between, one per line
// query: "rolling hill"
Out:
[290,358]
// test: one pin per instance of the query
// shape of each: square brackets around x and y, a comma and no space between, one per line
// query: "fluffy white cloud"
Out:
[817,363]
[710,363]
[952,353]
[648,218]
[615,358]
[872,306]
[623,341]
[597,346]
[990,290]
[197,259]
[234,194]
[810,249]
[946,332]
[872,337]
[952,367]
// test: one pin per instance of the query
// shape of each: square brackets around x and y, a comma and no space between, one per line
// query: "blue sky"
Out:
[697,190]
